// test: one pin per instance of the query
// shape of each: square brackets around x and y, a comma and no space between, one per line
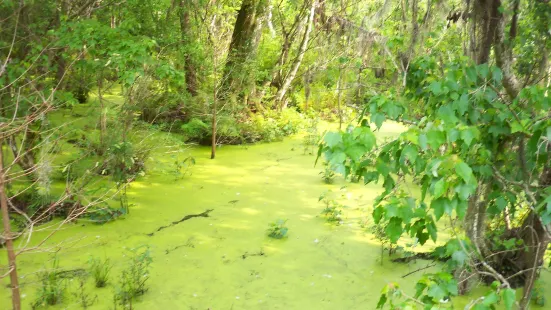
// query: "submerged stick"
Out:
[185,218]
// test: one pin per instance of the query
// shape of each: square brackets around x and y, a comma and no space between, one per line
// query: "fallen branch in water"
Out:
[185,218]
[422,268]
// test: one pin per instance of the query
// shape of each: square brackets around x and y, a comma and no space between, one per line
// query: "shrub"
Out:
[99,269]
[78,83]
[290,122]
[195,130]
[124,160]
[271,126]
[103,213]
[277,229]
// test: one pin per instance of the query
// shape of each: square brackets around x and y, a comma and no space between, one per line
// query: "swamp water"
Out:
[225,260]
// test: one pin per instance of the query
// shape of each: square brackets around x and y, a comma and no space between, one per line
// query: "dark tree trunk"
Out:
[189,66]
[485,13]
[238,77]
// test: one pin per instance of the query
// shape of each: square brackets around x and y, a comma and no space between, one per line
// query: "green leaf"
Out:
[440,206]
[468,135]
[332,139]
[459,257]
[464,171]
[337,157]
[355,152]
[452,288]
[490,299]
[464,191]
[394,229]
[382,301]
[436,138]
[378,119]
[389,183]
[422,237]
[423,141]
[497,75]
[501,203]
[419,288]
[409,152]
[447,114]
[435,88]
[439,188]
[433,231]
[461,209]
[406,213]
[463,104]
[367,138]
[509,297]
[516,127]
[436,292]
[382,168]
[453,135]
[378,214]
[391,210]
[370,176]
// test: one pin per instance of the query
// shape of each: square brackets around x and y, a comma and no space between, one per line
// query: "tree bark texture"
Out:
[189,66]
[238,74]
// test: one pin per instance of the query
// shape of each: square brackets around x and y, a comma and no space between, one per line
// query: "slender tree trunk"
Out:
[213,139]
[536,240]
[279,97]
[359,87]
[339,95]
[307,80]
[214,111]
[12,264]
[102,117]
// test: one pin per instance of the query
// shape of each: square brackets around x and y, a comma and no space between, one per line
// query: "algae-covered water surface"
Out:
[224,259]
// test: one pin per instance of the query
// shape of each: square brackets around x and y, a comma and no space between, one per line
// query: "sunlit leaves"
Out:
[430,290]
[332,139]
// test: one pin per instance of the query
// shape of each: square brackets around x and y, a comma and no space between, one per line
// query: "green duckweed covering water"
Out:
[226,260]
